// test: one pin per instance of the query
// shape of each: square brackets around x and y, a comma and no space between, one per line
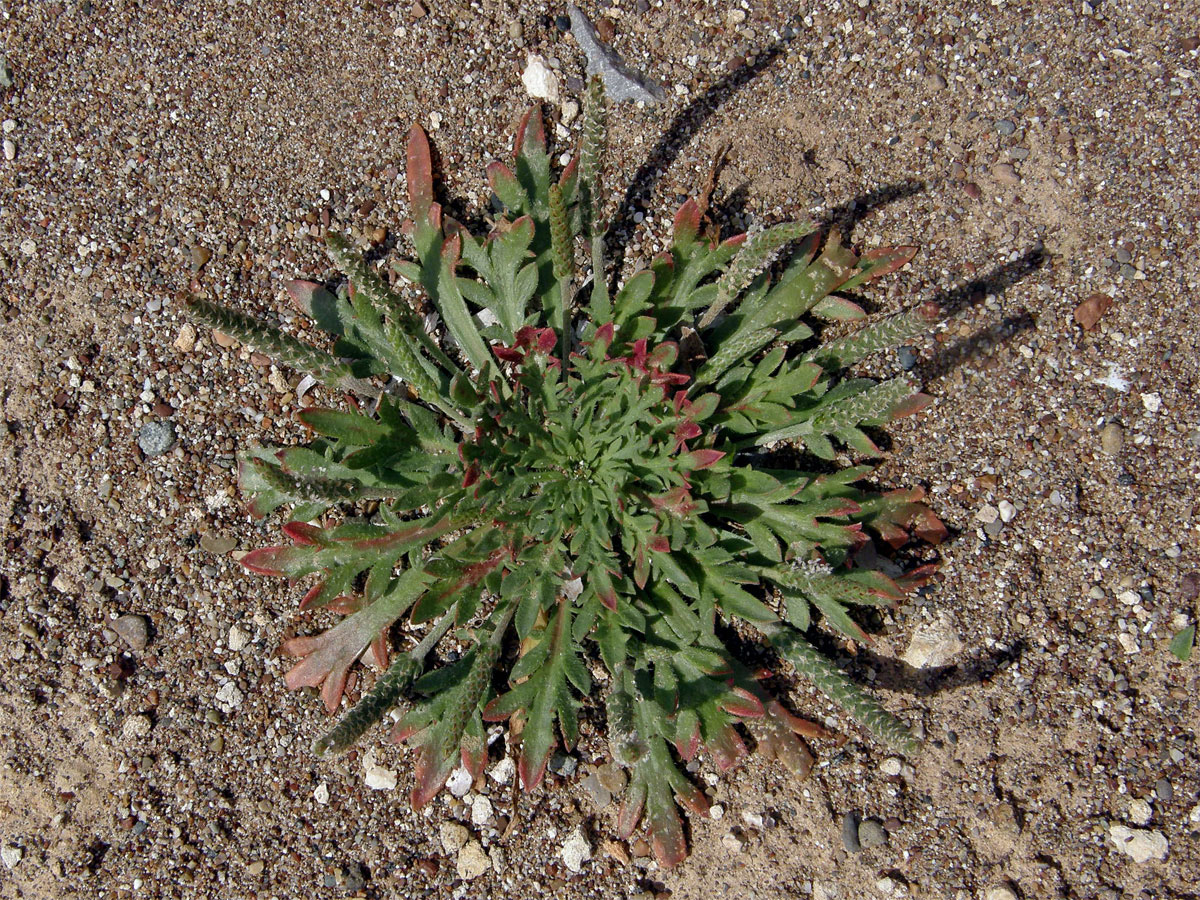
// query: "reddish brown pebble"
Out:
[223,340]
[972,190]
[164,410]
[259,359]
[428,866]
[1088,313]
[127,823]
[1189,586]
[418,10]
[366,207]
[200,256]
[1191,43]
[606,30]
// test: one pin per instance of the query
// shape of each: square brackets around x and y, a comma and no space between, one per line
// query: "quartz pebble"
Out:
[459,782]
[156,438]
[1000,892]
[11,855]
[540,81]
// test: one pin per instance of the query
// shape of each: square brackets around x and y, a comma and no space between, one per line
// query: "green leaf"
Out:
[1183,642]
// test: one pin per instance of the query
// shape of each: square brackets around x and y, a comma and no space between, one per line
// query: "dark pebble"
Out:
[1005,127]
[574,84]
[1189,586]
[1125,479]
[972,190]
[850,832]
[908,359]
[562,23]
[1190,43]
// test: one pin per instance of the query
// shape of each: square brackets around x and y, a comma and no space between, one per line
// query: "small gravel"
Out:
[156,438]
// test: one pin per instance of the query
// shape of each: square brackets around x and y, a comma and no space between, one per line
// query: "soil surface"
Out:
[1041,155]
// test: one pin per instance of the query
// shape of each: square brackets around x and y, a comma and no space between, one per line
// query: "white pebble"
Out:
[237,638]
[987,514]
[540,82]
[10,150]
[459,782]
[1128,643]
[1141,846]
[1007,511]
[502,772]
[10,125]
[377,777]
[576,850]
[321,794]
[11,855]
[1140,812]
[481,812]
[891,766]
[1152,402]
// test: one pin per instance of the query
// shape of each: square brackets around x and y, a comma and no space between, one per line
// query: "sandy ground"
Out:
[1040,154]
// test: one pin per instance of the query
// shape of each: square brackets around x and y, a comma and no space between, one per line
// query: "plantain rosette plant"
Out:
[576,480]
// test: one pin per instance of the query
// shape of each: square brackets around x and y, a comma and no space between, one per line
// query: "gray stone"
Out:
[156,438]
[871,834]
[621,82]
[133,630]
[850,832]
[1005,127]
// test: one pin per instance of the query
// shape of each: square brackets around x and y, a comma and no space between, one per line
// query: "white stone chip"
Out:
[540,82]
[933,645]
[459,782]
[576,850]
[1141,846]
[503,771]
[454,837]
[238,639]
[321,794]
[472,861]
[11,855]
[377,777]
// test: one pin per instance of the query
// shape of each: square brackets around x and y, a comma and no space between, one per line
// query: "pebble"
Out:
[1007,511]
[10,150]
[321,794]
[987,514]
[935,81]
[156,438]
[850,832]
[200,257]
[223,340]
[28,246]
[972,190]
[472,861]
[237,639]
[9,126]
[134,630]
[185,341]
[459,782]
[1006,173]
[453,836]
[576,850]
[1163,790]
[563,764]
[733,842]
[377,777]
[136,726]
[1000,892]
[1112,436]
[11,855]
[597,793]
[503,771]
[871,834]
[933,645]
[907,358]
[891,766]
[1140,812]
[256,868]
[1005,127]
[1138,844]
[481,812]
[540,82]
[216,543]
[1152,402]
